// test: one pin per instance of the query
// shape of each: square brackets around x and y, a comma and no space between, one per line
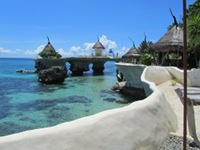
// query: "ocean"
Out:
[26,104]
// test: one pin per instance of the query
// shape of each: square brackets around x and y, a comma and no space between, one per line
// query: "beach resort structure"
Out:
[170,47]
[98,48]
[49,51]
[133,55]
[78,65]
[144,124]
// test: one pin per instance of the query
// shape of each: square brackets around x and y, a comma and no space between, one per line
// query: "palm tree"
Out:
[148,56]
[145,45]
[193,26]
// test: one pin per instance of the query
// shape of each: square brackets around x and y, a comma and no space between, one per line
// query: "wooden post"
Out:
[185,75]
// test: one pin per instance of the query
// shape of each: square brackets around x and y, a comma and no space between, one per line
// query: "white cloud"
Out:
[86,49]
[7,51]
[34,52]
[108,44]
[88,46]
[124,49]
[120,52]
[83,50]
[64,53]
[75,49]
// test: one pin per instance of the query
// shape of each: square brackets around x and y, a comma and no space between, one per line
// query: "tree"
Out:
[193,25]
[145,45]
[193,28]
[148,56]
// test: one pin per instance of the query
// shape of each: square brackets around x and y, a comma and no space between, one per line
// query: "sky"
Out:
[73,26]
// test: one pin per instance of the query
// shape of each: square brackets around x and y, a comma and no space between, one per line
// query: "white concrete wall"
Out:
[143,125]
[132,73]
[157,74]
[193,75]
[176,73]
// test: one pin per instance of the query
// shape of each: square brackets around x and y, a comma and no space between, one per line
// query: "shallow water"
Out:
[27,104]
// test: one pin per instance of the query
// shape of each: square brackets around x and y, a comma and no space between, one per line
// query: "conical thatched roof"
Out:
[49,51]
[98,45]
[133,52]
[49,47]
[172,40]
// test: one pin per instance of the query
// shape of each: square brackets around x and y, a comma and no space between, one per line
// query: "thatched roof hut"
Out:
[98,45]
[133,55]
[49,47]
[132,52]
[171,41]
[170,47]
[49,51]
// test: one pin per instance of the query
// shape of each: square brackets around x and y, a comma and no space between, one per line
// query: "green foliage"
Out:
[173,82]
[173,56]
[147,58]
[193,27]
[145,45]
[180,24]
[194,32]
[49,54]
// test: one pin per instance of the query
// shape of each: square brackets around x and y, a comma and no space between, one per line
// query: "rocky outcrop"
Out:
[55,74]
[78,67]
[26,71]
[135,93]
[45,63]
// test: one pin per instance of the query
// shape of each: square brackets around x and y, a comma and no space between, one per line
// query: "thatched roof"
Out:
[49,47]
[133,52]
[171,41]
[49,51]
[98,45]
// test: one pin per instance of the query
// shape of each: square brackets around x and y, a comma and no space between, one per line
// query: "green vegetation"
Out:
[148,56]
[49,54]
[193,28]
[147,59]
[173,82]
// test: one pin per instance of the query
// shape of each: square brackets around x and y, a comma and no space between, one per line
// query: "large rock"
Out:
[45,63]
[55,74]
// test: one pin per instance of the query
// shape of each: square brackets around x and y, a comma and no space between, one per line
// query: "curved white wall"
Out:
[144,124]
[193,75]
[132,73]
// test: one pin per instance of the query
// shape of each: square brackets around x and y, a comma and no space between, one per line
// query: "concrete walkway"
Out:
[176,104]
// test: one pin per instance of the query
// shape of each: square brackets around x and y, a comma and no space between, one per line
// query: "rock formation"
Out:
[55,74]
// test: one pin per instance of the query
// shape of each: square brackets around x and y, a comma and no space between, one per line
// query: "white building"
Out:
[98,47]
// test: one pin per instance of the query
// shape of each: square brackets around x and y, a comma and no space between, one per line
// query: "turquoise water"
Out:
[27,104]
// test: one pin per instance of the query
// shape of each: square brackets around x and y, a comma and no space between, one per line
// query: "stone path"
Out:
[176,104]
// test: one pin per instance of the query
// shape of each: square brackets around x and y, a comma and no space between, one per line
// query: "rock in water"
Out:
[55,74]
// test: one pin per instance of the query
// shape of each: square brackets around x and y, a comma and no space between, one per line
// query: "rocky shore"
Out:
[135,93]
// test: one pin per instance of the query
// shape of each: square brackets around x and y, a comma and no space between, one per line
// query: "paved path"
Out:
[176,104]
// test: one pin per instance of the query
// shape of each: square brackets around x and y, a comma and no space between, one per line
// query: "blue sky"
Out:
[74,25]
